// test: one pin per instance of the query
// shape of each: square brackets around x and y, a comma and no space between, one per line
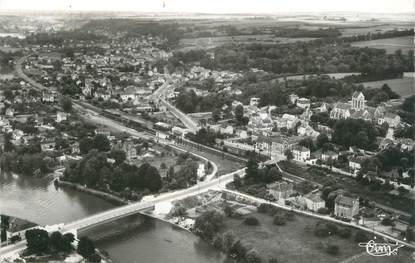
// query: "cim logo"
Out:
[381,249]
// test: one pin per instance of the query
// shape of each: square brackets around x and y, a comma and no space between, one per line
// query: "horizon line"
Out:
[195,12]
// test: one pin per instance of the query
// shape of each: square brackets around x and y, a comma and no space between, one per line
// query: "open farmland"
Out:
[212,42]
[404,86]
[296,241]
[358,29]
[389,44]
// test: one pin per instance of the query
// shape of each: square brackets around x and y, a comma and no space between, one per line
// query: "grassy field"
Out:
[404,86]
[403,256]
[296,242]
[389,44]
[374,28]
[212,42]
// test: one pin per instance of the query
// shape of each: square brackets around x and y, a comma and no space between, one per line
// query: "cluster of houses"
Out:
[124,73]
[345,206]
[266,133]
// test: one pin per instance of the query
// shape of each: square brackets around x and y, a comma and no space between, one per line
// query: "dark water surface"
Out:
[39,201]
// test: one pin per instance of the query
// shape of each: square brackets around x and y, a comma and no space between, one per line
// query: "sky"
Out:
[215,6]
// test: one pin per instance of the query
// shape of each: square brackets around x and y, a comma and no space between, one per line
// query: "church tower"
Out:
[358,101]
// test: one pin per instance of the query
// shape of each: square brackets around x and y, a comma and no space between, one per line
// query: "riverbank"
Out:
[40,201]
[13,228]
[119,201]
[116,200]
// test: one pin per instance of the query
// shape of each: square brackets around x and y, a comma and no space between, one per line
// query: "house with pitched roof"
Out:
[346,207]
[392,119]
[313,200]
[301,153]
[280,190]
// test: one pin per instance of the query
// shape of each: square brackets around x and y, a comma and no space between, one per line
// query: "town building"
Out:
[329,155]
[201,171]
[301,153]
[254,101]
[393,120]
[303,103]
[355,163]
[313,201]
[280,190]
[293,98]
[61,116]
[346,207]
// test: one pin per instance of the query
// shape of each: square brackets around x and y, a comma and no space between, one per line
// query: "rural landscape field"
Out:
[212,42]
[390,44]
[404,86]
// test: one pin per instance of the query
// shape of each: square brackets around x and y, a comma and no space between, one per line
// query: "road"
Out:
[160,96]
[132,208]
[20,73]
[104,216]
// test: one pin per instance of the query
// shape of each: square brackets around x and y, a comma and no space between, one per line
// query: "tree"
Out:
[237,181]
[409,104]
[251,221]
[289,154]
[216,114]
[362,140]
[86,247]
[412,219]
[251,170]
[3,235]
[352,132]
[228,209]
[8,94]
[56,241]
[8,144]
[151,178]
[66,103]
[409,234]
[238,249]
[308,143]
[209,223]
[37,240]
[170,172]
[5,221]
[118,155]
[321,140]
[101,143]
[85,145]
[239,112]
[228,240]
[67,240]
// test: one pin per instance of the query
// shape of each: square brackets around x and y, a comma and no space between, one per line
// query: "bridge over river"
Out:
[126,210]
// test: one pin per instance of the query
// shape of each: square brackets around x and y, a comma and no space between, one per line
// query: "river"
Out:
[39,201]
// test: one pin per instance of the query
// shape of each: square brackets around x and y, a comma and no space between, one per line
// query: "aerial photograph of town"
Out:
[207,131]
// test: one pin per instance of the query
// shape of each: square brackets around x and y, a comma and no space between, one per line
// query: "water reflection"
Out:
[158,242]
[39,201]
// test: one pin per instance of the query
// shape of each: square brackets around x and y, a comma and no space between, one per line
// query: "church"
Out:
[356,109]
